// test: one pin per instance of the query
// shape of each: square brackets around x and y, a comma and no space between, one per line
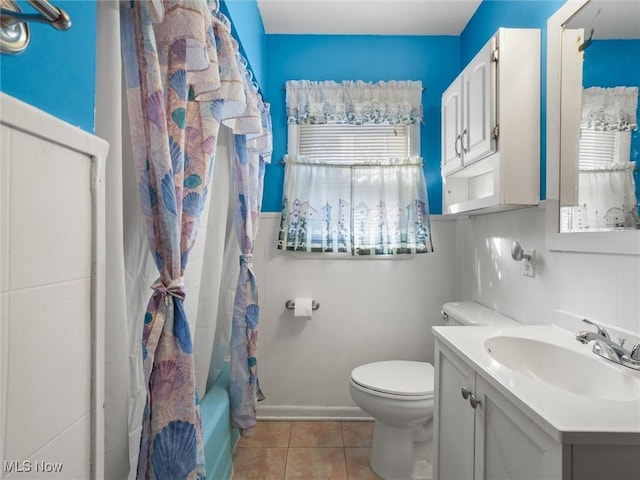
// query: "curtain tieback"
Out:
[174,289]
[246,259]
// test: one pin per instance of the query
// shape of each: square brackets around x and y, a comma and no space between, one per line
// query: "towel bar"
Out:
[14,31]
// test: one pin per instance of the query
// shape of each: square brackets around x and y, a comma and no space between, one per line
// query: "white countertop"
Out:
[566,416]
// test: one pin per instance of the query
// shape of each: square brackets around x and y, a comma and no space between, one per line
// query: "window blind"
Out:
[353,144]
[602,150]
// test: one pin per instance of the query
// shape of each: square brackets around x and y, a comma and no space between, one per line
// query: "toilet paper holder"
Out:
[291,304]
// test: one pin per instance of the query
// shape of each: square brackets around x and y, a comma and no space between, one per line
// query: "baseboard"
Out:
[314,412]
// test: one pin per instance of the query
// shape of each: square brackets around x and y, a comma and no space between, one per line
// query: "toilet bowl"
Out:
[399,395]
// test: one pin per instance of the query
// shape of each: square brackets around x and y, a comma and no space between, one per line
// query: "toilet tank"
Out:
[473,314]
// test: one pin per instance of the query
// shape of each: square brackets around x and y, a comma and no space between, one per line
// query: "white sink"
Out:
[578,372]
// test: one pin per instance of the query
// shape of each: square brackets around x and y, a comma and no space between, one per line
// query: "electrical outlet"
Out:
[529,263]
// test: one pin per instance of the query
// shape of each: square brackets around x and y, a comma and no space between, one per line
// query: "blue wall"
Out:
[57,71]
[247,28]
[612,63]
[493,14]
[432,59]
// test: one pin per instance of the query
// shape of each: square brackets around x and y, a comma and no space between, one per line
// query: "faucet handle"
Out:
[601,330]
[605,351]
[633,359]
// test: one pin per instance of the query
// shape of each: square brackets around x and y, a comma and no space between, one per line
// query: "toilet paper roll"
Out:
[302,307]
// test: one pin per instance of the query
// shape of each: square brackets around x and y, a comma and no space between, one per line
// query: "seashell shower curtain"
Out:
[184,77]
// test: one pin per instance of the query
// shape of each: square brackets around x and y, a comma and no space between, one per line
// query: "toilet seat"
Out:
[400,379]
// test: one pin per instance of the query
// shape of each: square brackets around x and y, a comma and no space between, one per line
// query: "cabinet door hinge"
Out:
[495,55]
[496,131]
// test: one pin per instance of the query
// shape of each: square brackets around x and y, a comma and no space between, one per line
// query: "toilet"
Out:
[399,394]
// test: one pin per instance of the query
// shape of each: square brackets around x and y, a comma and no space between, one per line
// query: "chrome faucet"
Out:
[608,349]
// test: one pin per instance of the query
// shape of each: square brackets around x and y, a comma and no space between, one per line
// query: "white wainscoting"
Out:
[51,296]
[373,310]
[370,310]
[600,286]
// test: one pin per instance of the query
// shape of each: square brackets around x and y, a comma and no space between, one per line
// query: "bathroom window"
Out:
[354,181]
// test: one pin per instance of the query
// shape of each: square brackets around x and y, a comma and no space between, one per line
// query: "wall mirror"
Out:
[600,150]
[593,141]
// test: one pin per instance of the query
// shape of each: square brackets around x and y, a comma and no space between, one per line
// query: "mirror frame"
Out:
[623,242]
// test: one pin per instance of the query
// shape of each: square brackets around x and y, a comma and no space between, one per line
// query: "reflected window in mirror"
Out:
[601,187]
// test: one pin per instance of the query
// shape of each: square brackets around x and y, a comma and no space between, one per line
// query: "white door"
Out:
[508,444]
[479,109]
[451,128]
[454,419]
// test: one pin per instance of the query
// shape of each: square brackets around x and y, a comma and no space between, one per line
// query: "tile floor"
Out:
[301,450]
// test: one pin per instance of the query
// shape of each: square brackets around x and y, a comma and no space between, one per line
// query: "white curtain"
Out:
[373,205]
[609,109]
[209,282]
[109,127]
[607,199]
[606,187]
[354,102]
[365,210]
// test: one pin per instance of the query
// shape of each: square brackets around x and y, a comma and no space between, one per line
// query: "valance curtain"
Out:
[607,195]
[609,109]
[184,76]
[354,102]
[373,207]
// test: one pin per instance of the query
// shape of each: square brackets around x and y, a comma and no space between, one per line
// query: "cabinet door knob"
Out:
[465,392]
[474,401]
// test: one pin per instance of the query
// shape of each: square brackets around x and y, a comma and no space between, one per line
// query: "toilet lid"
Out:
[397,377]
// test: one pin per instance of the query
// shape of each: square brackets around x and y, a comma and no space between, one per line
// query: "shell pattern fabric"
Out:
[250,157]
[184,77]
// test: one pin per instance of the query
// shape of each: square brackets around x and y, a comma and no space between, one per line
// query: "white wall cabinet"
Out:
[468,113]
[491,127]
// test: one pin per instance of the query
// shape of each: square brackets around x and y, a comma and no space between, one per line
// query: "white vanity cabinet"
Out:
[510,434]
[491,126]
[494,439]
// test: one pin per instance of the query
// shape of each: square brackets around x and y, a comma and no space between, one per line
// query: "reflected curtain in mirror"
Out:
[606,187]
